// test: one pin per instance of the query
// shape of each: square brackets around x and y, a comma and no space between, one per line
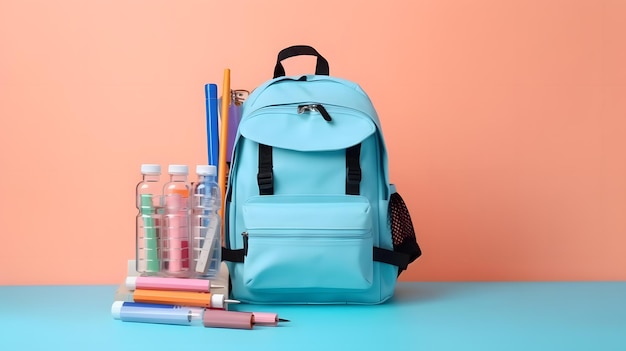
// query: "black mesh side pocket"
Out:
[402,231]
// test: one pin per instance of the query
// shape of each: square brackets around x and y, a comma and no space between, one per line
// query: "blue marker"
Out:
[212,131]
[155,313]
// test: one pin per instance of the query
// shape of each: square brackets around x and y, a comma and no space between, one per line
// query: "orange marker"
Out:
[183,298]
[221,169]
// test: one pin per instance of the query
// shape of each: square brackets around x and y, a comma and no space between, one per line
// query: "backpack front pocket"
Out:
[312,243]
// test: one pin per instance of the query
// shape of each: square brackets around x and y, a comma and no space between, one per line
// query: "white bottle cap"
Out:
[149,168]
[178,169]
[131,283]
[116,309]
[217,301]
[206,170]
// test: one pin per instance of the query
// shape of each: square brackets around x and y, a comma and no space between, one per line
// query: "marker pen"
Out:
[212,131]
[184,298]
[180,315]
[155,313]
[163,283]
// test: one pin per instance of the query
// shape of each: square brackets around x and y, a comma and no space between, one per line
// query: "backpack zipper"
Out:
[315,107]
[346,234]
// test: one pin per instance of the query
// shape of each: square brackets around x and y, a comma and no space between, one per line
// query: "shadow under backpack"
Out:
[311,217]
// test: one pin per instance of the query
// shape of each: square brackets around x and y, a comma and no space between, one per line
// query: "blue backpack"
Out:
[310,214]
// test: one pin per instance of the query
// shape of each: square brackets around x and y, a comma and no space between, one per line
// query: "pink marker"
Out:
[161,283]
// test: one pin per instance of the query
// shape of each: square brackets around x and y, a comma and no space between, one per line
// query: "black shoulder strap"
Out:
[265,177]
[353,169]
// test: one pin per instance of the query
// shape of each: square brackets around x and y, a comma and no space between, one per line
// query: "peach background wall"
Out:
[505,122]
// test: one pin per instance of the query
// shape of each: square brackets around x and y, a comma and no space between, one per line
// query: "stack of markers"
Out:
[182,301]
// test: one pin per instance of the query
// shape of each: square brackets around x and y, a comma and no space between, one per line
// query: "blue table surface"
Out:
[421,316]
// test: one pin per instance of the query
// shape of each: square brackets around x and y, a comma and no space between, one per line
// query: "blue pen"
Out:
[212,131]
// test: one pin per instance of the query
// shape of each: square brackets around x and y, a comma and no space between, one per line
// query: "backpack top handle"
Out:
[321,67]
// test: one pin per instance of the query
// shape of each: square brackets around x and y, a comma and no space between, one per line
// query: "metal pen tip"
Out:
[283,320]
[232,301]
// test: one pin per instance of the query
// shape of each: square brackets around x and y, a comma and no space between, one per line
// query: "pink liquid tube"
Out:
[174,242]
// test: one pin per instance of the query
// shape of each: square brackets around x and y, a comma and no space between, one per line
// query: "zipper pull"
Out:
[245,243]
[321,109]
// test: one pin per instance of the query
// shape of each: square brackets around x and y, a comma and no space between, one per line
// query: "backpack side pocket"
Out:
[402,231]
